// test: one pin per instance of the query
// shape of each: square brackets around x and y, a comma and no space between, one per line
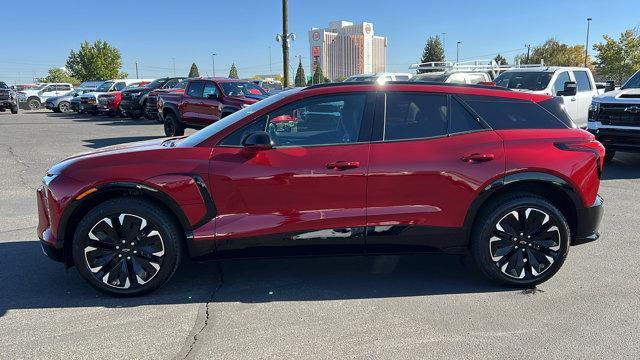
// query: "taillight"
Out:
[590,145]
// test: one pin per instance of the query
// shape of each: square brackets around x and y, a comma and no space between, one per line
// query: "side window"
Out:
[402,77]
[119,86]
[461,119]
[195,89]
[413,116]
[503,114]
[457,78]
[209,88]
[49,88]
[476,78]
[558,85]
[64,88]
[582,80]
[170,84]
[318,121]
[236,137]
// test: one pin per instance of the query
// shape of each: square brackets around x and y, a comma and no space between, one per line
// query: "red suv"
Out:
[340,168]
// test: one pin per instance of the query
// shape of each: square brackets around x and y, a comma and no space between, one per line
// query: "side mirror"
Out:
[610,86]
[570,89]
[257,141]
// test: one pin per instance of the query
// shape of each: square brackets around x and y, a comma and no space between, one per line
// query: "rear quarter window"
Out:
[504,114]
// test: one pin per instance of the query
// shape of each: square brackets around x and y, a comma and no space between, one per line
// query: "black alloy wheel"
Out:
[522,241]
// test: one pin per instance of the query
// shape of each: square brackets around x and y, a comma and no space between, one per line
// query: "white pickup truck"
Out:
[32,99]
[574,84]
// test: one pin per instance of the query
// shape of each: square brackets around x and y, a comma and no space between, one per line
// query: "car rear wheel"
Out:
[14,110]
[520,240]
[63,106]
[33,104]
[127,247]
[172,126]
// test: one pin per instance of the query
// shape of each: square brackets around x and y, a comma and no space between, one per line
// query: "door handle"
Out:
[478,158]
[573,99]
[343,165]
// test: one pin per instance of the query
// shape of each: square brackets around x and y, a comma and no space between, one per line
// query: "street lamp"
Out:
[285,38]
[458,51]
[444,45]
[528,46]
[213,64]
[586,46]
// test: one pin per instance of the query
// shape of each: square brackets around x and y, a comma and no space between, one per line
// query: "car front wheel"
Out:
[172,127]
[127,247]
[63,106]
[520,240]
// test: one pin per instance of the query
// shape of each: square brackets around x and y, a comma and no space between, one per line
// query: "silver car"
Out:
[63,103]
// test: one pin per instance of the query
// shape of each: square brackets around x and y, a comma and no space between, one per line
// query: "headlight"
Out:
[594,109]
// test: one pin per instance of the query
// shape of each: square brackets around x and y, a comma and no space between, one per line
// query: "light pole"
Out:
[270,69]
[528,46]
[174,66]
[137,70]
[444,46]
[213,64]
[586,46]
[458,51]
[286,38]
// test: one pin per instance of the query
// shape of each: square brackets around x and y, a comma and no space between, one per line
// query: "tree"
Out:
[555,53]
[57,75]
[318,77]
[300,79]
[618,59]
[193,72]
[97,61]
[233,72]
[433,52]
[500,60]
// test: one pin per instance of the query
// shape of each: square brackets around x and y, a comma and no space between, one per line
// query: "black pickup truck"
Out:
[8,99]
[134,101]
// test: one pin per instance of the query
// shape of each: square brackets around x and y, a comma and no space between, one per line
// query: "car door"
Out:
[583,96]
[430,157]
[308,190]
[47,92]
[191,100]
[209,107]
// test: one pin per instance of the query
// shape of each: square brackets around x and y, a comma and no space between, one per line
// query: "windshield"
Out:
[133,86]
[105,86]
[182,84]
[3,85]
[156,83]
[633,82]
[214,128]
[430,77]
[241,89]
[526,80]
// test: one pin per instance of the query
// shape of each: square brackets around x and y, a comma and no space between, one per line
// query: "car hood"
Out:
[141,90]
[620,96]
[249,98]
[109,151]
[90,95]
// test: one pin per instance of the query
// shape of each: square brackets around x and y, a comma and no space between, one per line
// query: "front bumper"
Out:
[131,106]
[8,104]
[617,138]
[49,105]
[51,246]
[588,222]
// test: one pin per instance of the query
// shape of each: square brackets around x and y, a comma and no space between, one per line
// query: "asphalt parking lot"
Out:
[419,306]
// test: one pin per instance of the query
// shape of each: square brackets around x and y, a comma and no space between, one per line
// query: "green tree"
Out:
[193,72]
[433,52]
[618,59]
[555,53]
[318,77]
[301,78]
[57,75]
[500,60]
[97,61]
[233,72]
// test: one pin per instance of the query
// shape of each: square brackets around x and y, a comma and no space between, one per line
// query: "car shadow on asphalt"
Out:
[623,166]
[31,281]
[102,119]
[98,143]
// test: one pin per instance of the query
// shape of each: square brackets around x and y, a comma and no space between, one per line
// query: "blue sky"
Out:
[39,34]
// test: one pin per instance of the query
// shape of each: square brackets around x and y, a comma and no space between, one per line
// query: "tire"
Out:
[14,110]
[172,127]
[33,104]
[506,253]
[609,154]
[134,265]
[63,106]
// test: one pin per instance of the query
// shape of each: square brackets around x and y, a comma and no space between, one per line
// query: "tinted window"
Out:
[558,85]
[411,116]
[513,114]
[170,84]
[556,107]
[531,80]
[63,87]
[119,86]
[209,88]
[582,80]
[461,119]
[236,137]
[195,89]
[320,121]
[633,82]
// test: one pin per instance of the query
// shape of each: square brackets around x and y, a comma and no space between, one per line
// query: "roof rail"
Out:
[489,66]
[417,83]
